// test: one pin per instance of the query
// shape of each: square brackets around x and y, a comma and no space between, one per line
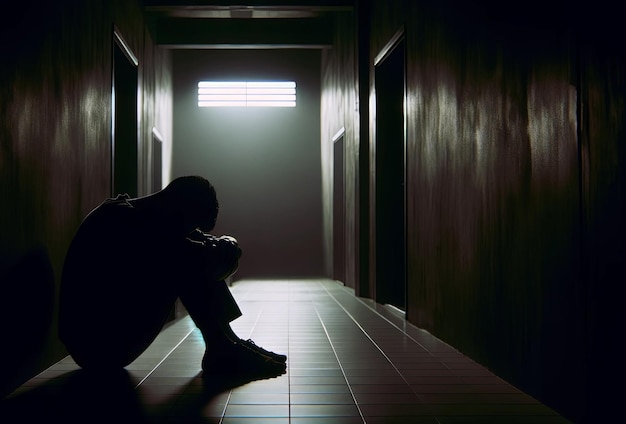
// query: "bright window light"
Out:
[247,94]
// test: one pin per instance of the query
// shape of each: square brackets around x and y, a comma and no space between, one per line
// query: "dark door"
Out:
[390,234]
[157,162]
[125,127]
[339,260]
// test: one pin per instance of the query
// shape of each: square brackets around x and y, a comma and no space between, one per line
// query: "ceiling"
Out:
[180,24]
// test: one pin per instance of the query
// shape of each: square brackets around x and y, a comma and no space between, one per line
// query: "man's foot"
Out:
[278,357]
[238,360]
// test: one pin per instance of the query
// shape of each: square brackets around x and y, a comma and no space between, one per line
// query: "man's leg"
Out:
[212,307]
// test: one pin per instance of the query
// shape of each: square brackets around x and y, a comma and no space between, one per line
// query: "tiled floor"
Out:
[350,361]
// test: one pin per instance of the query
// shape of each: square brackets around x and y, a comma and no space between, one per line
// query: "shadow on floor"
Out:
[85,396]
[78,396]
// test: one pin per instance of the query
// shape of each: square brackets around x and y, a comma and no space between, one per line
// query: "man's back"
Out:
[114,278]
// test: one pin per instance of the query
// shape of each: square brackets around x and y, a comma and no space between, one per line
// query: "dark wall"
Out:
[264,162]
[55,154]
[340,115]
[494,205]
[603,180]
[515,137]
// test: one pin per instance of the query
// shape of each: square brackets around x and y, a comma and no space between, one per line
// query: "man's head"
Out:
[196,199]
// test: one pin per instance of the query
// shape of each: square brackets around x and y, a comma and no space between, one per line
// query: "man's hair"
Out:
[193,191]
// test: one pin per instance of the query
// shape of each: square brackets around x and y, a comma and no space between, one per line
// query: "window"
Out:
[246,94]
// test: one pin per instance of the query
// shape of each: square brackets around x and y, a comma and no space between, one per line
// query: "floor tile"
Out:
[324,411]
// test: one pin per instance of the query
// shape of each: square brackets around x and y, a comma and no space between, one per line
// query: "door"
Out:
[339,230]
[125,121]
[157,161]
[389,180]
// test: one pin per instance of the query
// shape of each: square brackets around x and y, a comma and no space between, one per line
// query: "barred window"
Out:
[246,94]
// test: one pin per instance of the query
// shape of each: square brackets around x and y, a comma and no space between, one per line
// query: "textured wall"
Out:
[55,149]
[494,231]
[264,162]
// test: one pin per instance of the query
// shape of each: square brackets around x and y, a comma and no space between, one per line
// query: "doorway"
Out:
[389,180]
[339,229]
[125,119]
[157,161]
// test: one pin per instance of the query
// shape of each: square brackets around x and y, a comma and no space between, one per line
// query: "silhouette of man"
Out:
[132,258]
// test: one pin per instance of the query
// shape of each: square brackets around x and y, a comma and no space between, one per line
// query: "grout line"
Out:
[165,357]
[256,321]
[379,348]
[394,325]
[230,394]
[434,355]
[384,318]
[339,362]
[250,331]
[289,298]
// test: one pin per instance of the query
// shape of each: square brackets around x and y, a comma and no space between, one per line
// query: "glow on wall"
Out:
[246,94]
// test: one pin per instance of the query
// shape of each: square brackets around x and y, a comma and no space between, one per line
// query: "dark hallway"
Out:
[440,216]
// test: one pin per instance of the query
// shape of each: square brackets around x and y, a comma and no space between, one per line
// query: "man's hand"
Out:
[221,254]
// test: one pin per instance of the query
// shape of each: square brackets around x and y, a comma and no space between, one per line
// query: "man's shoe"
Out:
[278,357]
[239,360]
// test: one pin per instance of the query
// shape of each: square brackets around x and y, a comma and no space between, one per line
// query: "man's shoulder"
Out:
[111,213]
[117,204]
